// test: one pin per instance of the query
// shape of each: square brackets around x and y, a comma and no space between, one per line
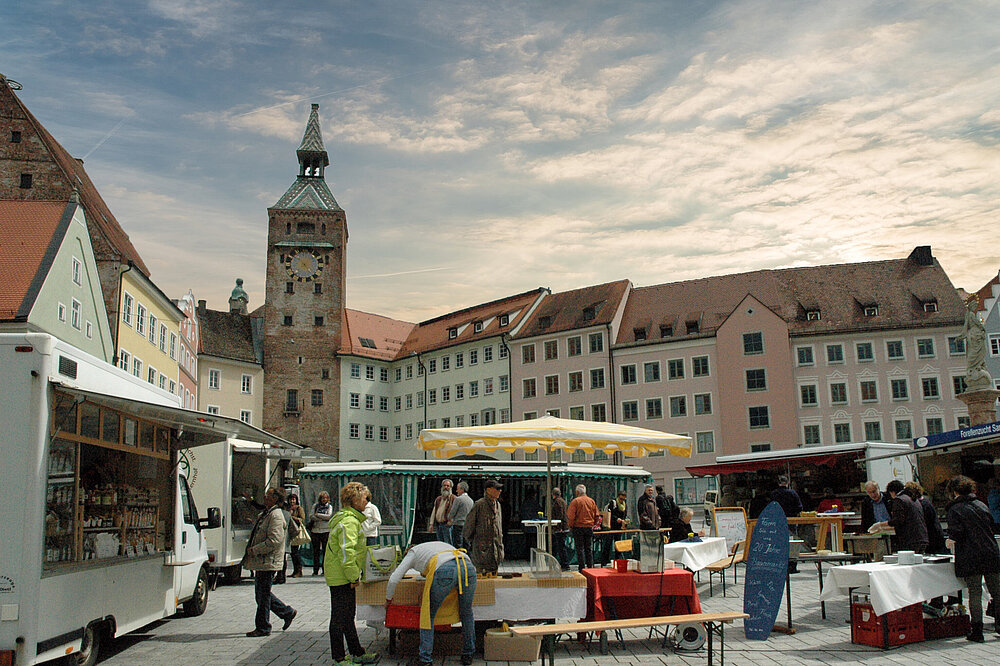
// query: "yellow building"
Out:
[147,342]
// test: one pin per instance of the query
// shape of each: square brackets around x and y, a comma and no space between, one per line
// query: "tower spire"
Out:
[313,158]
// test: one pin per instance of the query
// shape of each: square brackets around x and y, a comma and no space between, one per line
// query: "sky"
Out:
[482,149]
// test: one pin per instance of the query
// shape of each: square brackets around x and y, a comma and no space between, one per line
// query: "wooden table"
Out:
[832,523]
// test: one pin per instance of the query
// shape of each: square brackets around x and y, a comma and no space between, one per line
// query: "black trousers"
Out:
[343,608]
[319,549]
[583,539]
[559,549]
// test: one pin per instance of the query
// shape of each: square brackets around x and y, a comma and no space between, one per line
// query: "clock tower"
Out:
[304,303]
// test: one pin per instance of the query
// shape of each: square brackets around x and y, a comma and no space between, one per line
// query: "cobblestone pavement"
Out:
[217,637]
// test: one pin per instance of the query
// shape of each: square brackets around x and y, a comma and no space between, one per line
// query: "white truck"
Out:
[101,534]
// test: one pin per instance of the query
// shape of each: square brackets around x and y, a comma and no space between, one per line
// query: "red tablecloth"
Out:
[611,594]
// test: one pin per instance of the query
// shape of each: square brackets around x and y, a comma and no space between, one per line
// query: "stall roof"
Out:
[197,428]
[814,455]
[474,468]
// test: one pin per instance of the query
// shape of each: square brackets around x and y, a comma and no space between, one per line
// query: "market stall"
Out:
[618,595]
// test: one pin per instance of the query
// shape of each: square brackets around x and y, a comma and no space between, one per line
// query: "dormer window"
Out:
[692,327]
[639,334]
[812,315]
[545,321]
[871,310]
[589,313]
[930,306]
[452,333]
[367,343]
[504,320]
[15,136]
[666,330]
[477,327]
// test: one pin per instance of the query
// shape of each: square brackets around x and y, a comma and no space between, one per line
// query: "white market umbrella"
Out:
[549,433]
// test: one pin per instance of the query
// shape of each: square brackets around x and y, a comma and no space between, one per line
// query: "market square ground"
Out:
[217,637]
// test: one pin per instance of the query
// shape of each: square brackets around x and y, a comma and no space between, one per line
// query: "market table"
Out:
[696,555]
[893,586]
[819,560]
[619,595]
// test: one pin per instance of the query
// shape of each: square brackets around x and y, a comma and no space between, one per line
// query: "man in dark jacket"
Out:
[970,533]
[560,526]
[935,535]
[907,518]
[665,504]
[791,504]
[649,515]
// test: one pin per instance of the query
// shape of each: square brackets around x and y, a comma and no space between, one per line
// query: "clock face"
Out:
[303,265]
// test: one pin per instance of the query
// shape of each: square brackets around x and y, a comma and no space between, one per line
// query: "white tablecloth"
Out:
[514,603]
[696,555]
[893,586]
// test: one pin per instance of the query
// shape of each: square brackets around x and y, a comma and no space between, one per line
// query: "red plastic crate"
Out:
[892,629]
[402,616]
[946,627]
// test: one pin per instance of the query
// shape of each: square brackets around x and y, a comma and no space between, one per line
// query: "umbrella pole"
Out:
[548,499]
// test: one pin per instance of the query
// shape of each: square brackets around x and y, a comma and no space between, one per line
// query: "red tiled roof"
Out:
[578,308]
[840,292]
[98,213]
[387,335]
[27,230]
[434,333]
[987,291]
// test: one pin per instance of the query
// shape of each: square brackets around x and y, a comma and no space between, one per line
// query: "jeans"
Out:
[457,540]
[443,532]
[559,549]
[446,580]
[267,602]
[343,608]
[583,538]
[975,585]
[319,540]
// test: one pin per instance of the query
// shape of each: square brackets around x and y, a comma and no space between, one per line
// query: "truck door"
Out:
[190,546]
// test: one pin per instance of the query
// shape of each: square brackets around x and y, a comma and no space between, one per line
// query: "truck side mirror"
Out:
[213,520]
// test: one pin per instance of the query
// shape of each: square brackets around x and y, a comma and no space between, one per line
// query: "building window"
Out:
[628,374]
[473,419]
[445,394]
[246,384]
[459,391]
[597,378]
[398,403]
[369,401]
[753,343]
[77,272]
[355,400]
[834,354]
[596,341]
[865,352]
[900,389]
[369,432]
[318,320]
[575,382]
[286,320]
[474,356]
[245,415]
[90,330]
[838,393]
[355,371]
[488,386]
[574,346]
[810,435]
[925,347]
[841,432]
[504,414]
[756,379]
[140,319]
[807,395]
[759,417]
[213,409]
[994,345]
[551,350]
[152,329]
[136,367]
[316,396]
[964,422]
[75,314]
[502,351]
[317,287]
[123,359]
[705,442]
[397,433]
[699,366]
[504,383]
[813,315]
[289,287]
[804,355]
[904,430]
[291,400]
[15,136]
[445,363]
[599,413]
[930,306]
[488,356]
[354,431]
[871,310]
[666,330]
[398,374]
[930,388]
[528,387]
[678,406]
[958,384]
[383,433]
[173,346]
[630,410]
[527,354]
[409,371]
[370,371]
[127,309]
[935,425]
[477,327]
[894,350]
[215,379]
[873,431]
[459,360]
[452,333]
[702,403]
[869,390]
[383,374]
[654,408]
[25,181]
[651,372]
[675,368]
[576,413]
[956,346]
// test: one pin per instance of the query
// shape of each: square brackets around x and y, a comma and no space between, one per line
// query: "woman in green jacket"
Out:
[343,563]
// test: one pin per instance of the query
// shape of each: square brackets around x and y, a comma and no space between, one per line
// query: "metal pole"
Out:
[548,498]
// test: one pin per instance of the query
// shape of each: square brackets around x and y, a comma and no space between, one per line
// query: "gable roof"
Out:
[986,293]
[839,293]
[578,308]
[227,335]
[308,193]
[374,336]
[99,216]
[30,235]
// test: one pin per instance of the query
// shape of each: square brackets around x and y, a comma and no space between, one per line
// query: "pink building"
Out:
[187,354]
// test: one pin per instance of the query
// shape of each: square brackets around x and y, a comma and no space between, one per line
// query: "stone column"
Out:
[982,405]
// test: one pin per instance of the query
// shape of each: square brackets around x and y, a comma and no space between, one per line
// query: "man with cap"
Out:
[649,515]
[483,531]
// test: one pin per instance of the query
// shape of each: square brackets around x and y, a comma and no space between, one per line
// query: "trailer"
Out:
[104,535]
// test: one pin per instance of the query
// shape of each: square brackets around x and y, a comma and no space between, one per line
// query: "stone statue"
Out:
[977,377]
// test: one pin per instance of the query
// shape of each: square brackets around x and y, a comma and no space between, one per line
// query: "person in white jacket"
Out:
[373,518]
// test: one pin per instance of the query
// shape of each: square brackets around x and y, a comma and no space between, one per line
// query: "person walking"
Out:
[560,527]
[319,529]
[373,518]
[446,570]
[299,517]
[970,533]
[484,530]
[649,514]
[907,518]
[264,556]
[342,565]
[581,515]
[460,509]
[438,522]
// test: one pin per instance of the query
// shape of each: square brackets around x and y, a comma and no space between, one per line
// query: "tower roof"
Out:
[309,191]
[312,139]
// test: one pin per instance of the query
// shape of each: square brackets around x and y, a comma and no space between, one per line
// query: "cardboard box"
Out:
[504,646]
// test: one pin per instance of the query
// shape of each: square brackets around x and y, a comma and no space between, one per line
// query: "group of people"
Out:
[477,527]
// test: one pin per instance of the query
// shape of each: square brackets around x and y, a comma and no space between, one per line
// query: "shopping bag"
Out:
[381,562]
[302,538]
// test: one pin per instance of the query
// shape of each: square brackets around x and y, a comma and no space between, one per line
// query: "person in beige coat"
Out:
[264,556]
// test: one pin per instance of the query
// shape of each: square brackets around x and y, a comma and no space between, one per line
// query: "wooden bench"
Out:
[714,623]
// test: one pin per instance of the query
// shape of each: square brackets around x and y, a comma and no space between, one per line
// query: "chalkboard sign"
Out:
[767,567]
[730,522]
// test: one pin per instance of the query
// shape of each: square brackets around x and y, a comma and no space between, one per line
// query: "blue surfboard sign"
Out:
[767,568]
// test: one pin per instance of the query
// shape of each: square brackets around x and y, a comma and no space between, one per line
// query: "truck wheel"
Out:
[93,639]
[197,604]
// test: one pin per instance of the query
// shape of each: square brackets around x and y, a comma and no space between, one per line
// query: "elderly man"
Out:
[649,515]
[681,529]
[264,556]
[874,507]
[439,523]
[460,509]
[484,530]
[582,516]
